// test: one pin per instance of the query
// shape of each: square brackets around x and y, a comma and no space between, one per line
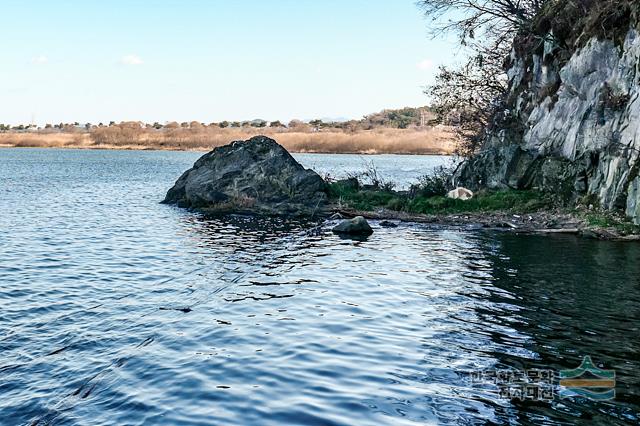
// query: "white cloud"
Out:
[39,60]
[425,64]
[131,60]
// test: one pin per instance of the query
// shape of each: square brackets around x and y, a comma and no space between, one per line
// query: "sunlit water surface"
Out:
[115,309]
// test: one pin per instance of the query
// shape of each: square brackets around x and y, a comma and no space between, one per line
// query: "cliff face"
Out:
[576,127]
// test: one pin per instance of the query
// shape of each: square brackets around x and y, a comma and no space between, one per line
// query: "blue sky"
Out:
[165,60]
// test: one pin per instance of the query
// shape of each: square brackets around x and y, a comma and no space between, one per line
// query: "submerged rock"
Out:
[356,226]
[257,175]
[388,224]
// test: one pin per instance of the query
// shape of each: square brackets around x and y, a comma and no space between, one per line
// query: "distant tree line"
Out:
[391,118]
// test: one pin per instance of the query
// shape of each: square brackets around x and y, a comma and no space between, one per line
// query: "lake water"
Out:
[402,170]
[115,309]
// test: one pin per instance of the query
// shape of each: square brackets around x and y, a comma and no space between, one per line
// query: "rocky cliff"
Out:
[574,125]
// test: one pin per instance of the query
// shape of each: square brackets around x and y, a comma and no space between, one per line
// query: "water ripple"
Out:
[117,310]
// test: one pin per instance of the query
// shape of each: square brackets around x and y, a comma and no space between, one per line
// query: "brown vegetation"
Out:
[392,131]
[305,138]
[45,140]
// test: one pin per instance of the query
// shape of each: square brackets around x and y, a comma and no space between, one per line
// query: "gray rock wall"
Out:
[583,139]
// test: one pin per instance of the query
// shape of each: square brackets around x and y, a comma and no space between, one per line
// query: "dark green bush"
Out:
[436,183]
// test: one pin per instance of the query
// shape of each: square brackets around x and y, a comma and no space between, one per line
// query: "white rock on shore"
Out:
[460,194]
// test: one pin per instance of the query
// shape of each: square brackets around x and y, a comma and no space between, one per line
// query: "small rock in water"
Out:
[356,226]
[460,194]
[388,224]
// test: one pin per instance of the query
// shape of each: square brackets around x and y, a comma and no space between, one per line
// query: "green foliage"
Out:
[396,118]
[435,183]
[428,196]
[360,199]
[318,124]
[609,220]
[258,123]
[486,201]
[402,118]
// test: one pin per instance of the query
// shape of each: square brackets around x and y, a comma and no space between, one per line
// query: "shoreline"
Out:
[522,212]
[537,223]
[178,149]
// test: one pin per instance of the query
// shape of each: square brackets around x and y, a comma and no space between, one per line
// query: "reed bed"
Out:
[431,140]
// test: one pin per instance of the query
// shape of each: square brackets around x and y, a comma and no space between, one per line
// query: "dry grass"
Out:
[45,140]
[433,140]
[379,141]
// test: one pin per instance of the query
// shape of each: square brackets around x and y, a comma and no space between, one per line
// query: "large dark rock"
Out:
[256,175]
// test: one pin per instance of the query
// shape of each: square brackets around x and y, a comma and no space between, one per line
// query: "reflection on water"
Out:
[117,310]
[578,298]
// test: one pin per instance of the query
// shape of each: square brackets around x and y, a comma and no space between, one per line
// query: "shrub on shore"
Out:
[421,203]
[508,200]
[436,183]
